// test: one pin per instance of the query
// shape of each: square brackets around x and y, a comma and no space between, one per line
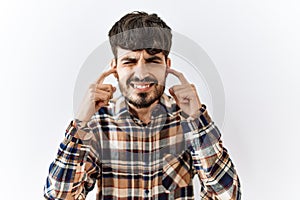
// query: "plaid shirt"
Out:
[131,160]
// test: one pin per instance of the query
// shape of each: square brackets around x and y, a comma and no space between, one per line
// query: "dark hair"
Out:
[139,30]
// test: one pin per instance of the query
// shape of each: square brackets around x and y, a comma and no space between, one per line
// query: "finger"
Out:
[107,93]
[106,87]
[99,101]
[171,91]
[182,96]
[179,75]
[105,74]
[100,104]
[185,87]
[101,95]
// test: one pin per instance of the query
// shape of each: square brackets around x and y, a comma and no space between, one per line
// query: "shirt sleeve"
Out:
[211,161]
[75,170]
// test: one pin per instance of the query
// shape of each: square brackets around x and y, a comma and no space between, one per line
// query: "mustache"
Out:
[146,79]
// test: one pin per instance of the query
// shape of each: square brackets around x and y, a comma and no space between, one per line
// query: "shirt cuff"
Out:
[198,121]
[75,131]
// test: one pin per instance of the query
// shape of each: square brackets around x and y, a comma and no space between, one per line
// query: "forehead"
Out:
[136,54]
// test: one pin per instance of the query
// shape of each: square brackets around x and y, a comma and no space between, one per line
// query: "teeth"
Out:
[141,86]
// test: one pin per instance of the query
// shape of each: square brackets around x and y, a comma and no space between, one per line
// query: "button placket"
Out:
[147,160]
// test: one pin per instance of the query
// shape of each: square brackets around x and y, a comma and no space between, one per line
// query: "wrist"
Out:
[80,130]
[79,124]
[195,115]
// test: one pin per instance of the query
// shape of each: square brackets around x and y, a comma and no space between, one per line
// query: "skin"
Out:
[141,78]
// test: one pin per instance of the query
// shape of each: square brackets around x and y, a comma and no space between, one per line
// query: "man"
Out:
[145,144]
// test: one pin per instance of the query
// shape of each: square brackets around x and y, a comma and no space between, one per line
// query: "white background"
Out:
[254,45]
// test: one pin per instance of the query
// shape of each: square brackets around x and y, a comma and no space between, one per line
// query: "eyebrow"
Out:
[152,58]
[128,59]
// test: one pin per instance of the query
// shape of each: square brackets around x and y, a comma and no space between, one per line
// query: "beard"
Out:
[142,99]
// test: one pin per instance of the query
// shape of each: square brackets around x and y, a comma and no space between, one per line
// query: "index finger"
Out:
[179,75]
[105,74]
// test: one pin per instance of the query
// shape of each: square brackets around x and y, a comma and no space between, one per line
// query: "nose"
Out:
[141,70]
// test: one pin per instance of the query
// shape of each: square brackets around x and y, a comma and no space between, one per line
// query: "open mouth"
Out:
[143,85]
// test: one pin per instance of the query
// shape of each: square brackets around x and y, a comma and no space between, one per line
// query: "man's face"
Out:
[142,76]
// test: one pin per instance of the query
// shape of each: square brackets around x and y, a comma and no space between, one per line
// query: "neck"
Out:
[144,114]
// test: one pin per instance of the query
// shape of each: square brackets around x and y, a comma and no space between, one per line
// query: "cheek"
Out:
[160,75]
[123,76]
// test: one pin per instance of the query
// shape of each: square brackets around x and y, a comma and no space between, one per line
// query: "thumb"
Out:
[171,91]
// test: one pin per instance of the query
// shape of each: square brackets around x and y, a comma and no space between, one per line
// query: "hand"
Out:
[185,95]
[97,96]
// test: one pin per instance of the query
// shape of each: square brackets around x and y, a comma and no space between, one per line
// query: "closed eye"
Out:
[154,59]
[129,62]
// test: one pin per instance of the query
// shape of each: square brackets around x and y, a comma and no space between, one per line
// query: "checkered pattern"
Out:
[127,159]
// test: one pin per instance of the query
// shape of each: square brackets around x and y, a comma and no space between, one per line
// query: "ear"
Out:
[168,62]
[113,64]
